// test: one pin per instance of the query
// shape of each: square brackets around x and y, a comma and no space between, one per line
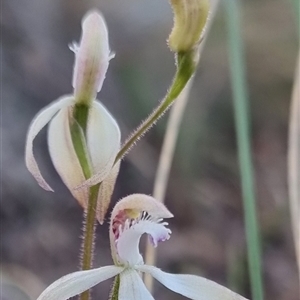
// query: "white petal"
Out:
[191,286]
[40,120]
[92,56]
[132,287]
[103,140]
[78,282]
[128,242]
[64,157]
[105,192]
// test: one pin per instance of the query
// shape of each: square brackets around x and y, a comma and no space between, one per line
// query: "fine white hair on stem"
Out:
[294,162]
[168,147]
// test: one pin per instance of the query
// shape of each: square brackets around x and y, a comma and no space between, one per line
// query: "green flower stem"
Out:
[80,114]
[186,66]
[88,243]
[78,130]
[241,105]
[114,295]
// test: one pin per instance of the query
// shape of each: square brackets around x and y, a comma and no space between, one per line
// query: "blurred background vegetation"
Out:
[41,231]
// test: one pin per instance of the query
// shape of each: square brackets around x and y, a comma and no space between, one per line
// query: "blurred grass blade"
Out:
[296,4]
[242,124]
[294,162]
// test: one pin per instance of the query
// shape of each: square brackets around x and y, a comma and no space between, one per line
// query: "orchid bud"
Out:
[92,57]
[190,17]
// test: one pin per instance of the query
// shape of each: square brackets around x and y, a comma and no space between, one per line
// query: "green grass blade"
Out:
[296,4]
[242,123]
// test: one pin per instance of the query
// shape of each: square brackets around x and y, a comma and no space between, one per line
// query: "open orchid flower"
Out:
[133,216]
[102,134]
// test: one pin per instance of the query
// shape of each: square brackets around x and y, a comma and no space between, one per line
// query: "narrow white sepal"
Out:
[191,286]
[103,142]
[64,157]
[37,124]
[78,282]
[132,287]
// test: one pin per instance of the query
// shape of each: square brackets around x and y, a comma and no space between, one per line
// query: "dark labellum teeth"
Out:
[145,215]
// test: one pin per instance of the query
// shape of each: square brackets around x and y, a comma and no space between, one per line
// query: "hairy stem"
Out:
[78,132]
[114,295]
[88,242]
[185,69]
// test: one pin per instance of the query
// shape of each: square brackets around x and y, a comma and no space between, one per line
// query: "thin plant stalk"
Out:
[88,241]
[294,162]
[242,124]
[168,148]
[78,132]
[186,66]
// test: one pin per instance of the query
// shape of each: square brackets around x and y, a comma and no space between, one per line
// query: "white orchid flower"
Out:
[133,216]
[92,57]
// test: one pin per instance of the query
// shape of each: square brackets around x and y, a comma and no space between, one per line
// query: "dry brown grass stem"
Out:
[294,162]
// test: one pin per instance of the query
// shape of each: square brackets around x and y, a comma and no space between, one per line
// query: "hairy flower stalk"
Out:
[132,217]
[190,17]
[186,66]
